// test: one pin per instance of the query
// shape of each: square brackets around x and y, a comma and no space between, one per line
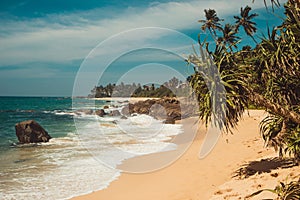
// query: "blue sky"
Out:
[44,43]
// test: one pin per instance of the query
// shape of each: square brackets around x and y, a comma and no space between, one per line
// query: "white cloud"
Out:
[43,40]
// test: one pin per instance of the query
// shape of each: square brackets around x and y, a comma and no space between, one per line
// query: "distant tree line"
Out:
[173,87]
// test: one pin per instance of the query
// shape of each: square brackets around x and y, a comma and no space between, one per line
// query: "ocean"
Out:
[84,151]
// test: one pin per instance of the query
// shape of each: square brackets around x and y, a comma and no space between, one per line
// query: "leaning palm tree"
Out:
[212,21]
[244,20]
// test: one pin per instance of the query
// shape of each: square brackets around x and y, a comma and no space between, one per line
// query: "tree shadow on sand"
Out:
[263,166]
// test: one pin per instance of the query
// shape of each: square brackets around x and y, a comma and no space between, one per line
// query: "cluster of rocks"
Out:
[31,132]
[100,112]
[167,109]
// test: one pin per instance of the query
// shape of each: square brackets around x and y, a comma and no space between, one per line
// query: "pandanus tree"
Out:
[279,56]
[267,76]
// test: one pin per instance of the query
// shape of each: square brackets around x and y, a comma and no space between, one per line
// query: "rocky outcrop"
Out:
[169,120]
[100,112]
[85,111]
[31,132]
[166,109]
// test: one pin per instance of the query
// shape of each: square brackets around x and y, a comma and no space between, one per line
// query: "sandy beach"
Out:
[191,178]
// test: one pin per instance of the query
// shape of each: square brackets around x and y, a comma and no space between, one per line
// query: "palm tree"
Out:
[229,36]
[245,20]
[212,21]
[276,61]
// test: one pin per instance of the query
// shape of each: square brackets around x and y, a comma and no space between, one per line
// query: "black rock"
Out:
[114,113]
[100,112]
[169,121]
[124,117]
[31,132]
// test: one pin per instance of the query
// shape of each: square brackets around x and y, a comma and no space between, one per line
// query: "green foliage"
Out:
[244,20]
[284,191]
[229,36]
[172,88]
[212,21]
[279,58]
[265,77]
[230,76]
[292,142]
[270,127]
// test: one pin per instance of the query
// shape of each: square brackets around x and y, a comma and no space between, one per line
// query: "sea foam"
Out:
[82,161]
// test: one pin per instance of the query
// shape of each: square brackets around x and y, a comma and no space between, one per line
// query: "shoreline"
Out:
[188,177]
[122,99]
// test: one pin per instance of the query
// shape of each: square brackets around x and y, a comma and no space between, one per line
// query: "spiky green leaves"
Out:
[284,191]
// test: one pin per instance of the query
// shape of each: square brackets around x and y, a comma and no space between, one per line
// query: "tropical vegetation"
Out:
[267,75]
[172,88]
[285,191]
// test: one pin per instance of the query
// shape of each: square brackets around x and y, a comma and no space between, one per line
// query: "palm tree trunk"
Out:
[274,107]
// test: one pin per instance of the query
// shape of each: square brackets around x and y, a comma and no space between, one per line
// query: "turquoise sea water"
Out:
[82,155]
[42,109]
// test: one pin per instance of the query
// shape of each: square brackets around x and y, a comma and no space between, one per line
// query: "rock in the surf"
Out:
[115,113]
[124,117]
[165,108]
[169,120]
[31,132]
[85,111]
[100,112]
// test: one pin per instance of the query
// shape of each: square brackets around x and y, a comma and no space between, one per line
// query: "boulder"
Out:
[114,113]
[88,111]
[169,121]
[143,110]
[124,117]
[127,110]
[157,111]
[100,112]
[85,111]
[31,132]
[174,113]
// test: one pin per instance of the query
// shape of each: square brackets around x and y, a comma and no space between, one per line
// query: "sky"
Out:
[51,47]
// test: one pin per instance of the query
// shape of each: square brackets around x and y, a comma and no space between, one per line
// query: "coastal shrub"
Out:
[265,76]
[284,191]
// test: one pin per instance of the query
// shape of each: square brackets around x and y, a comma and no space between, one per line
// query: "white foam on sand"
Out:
[125,138]
[59,169]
